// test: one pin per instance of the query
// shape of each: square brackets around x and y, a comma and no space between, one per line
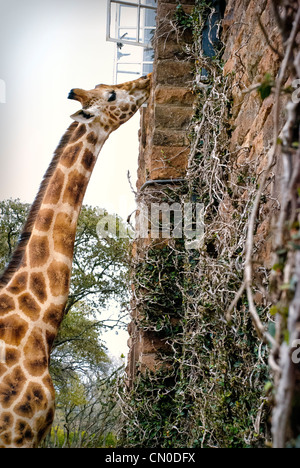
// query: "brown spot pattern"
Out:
[6,421]
[113,118]
[36,358]
[23,433]
[48,384]
[38,251]
[79,132]
[59,277]
[70,155]
[92,138]
[13,330]
[18,284]
[11,387]
[38,286]
[33,401]
[88,160]
[6,438]
[54,315]
[55,188]
[64,234]
[29,306]
[7,304]
[50,337]
[44,220]
[12,356]
[75,188]
[43,424]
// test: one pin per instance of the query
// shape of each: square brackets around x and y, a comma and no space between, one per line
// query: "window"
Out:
[130,24]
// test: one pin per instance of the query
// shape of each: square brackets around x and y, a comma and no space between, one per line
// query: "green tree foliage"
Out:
[12,216]
[82,372]
[100,263]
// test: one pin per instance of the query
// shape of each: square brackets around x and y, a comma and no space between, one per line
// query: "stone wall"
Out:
[249,28]
[164,145]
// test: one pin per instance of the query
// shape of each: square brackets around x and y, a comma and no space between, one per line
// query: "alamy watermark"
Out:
[296,93]
[296,352]
[160,221]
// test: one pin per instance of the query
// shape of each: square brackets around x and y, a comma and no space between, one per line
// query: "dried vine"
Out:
[285,280]
[208,390]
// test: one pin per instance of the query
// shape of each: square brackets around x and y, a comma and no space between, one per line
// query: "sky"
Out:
[48,47]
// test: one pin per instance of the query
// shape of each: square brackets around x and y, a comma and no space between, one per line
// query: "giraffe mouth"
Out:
[72,95]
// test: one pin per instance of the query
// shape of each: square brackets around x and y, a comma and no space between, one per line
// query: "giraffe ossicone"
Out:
[34,287]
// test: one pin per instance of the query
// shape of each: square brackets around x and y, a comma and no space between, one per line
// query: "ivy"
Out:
[209,390]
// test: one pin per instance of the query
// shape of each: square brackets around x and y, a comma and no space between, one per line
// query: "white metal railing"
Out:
[139,38]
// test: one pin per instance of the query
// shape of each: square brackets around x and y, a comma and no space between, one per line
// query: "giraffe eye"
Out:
[112,96]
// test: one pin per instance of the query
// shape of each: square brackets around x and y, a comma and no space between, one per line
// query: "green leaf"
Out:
[274,310]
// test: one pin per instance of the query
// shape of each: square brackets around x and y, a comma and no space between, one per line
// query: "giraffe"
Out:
[35,285]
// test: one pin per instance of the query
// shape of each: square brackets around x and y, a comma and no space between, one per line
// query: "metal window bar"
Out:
[139,6]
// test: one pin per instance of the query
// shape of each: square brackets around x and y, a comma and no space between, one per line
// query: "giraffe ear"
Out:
[83,116]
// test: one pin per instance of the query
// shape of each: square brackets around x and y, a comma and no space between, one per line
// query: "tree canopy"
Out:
[81,369]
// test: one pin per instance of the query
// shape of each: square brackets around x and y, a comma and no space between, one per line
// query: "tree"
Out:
[12,216]
[82,372]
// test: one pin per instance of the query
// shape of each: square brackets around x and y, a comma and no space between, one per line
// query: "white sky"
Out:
[48,47]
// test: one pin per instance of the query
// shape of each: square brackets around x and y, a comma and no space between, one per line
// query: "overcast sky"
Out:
[48,47]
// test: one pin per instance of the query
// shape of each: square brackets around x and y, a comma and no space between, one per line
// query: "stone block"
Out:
[169,49]
[152,343]
[149,362]
[174,96]
[174,73]
[175,117]
[168,162]
[248,113]
[170,138]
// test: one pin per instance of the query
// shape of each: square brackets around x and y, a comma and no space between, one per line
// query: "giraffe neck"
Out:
[45,258]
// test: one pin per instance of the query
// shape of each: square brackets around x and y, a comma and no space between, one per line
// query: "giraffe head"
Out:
[111,106]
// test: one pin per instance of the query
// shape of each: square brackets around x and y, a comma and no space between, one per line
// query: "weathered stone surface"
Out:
[164,146]
[170,138]
[174,95]
[177,118]
[170,72]
[249,58]
[170,49]
[149,362]
[151,343]
[168,162]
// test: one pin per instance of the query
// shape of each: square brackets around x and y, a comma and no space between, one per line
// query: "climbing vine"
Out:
[209,386]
